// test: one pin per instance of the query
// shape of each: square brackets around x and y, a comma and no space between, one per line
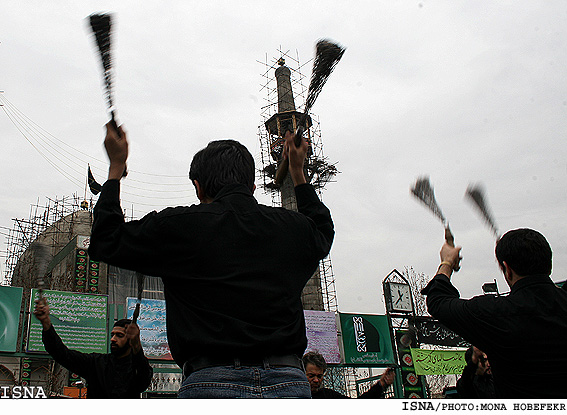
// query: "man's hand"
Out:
[450,259]
[41,312]
[387,378]
[296,157]
[116,146]
[133,336]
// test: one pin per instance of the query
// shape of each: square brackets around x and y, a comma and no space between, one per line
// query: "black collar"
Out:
[231,189]
[531,280]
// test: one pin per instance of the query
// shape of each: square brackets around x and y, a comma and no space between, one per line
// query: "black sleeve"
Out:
[442,298]
[76,362]
[308,203]
[121,243]
[375,392]
[143,372]
[470,318]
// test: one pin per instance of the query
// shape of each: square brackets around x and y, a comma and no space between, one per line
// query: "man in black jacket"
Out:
[124,373]
[233,270]
[523,333]
[476,381]
[315,368]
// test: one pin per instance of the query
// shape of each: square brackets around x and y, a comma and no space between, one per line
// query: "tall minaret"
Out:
[287,118]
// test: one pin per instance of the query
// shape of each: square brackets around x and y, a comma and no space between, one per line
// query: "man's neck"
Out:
[123,355]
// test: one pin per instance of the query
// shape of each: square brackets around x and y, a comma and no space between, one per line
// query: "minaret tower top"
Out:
[285,93]
[287,117]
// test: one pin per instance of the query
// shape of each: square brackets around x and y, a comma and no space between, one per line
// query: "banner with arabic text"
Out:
[153,331]
[79,319]
[438,362]
[321,330]
[430,331]
[366,340]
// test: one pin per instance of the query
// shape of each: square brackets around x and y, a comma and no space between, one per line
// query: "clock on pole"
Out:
[398,295]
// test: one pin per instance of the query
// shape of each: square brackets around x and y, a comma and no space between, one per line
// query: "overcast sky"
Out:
[461,91]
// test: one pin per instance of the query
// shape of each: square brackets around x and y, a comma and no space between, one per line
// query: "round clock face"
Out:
[400,297]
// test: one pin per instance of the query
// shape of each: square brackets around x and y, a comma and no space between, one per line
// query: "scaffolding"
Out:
[41,218]
[319,170]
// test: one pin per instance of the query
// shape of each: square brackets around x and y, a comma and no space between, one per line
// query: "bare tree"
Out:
[417,281]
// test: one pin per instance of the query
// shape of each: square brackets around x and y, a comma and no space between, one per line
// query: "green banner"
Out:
[80,321]
[438,362]
[366,340]
[10,304]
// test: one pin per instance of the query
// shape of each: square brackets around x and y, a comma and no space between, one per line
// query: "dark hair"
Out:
[222,162]
[122,323]
[468,355]
[315,359]
[526,251]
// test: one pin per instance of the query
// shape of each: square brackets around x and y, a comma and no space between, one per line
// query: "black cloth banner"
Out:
[430,331]
[93,185]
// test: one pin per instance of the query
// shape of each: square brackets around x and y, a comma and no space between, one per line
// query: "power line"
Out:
[71,163]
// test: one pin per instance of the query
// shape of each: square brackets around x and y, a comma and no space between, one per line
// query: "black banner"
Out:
[93,185]
[430,331]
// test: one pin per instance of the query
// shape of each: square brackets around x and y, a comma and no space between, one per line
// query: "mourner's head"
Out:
[221,163]
[315,367]
[478,359]
[525,252]
[119,344]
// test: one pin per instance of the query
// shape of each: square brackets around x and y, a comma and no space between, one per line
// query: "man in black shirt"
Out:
[124,373]
[233,270]
[523,333]
[315,368]
[476,381]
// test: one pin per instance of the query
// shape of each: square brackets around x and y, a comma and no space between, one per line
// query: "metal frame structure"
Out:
[319,171]
[25,231]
